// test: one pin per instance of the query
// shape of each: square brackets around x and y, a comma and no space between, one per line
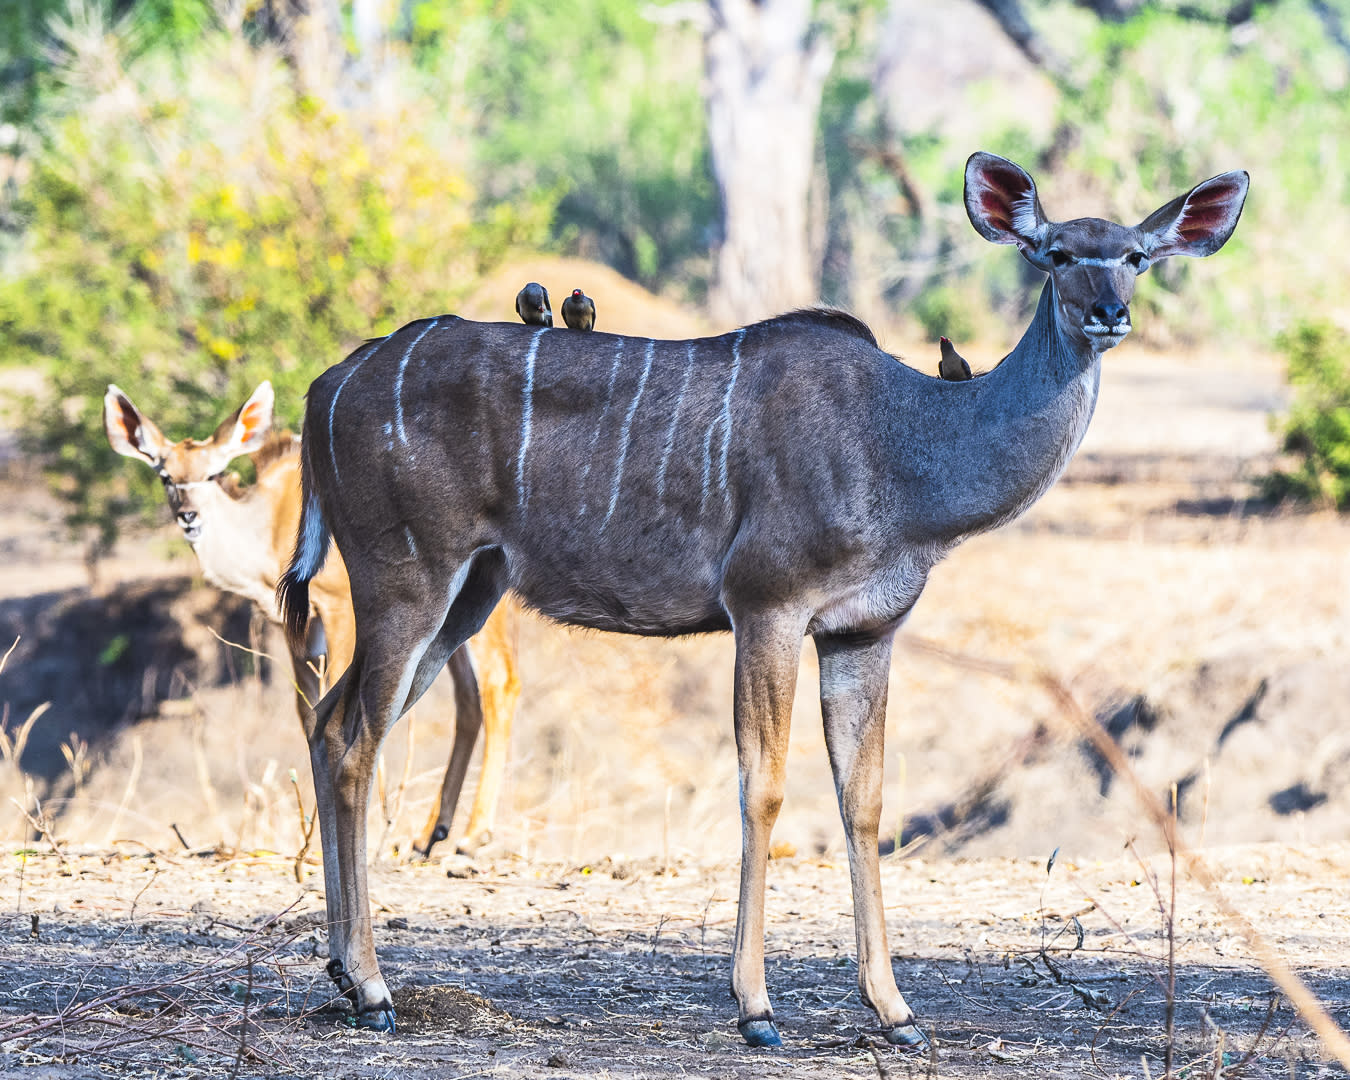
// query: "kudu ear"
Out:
[244,430]
[1002,203]
[130,433]
[1199,222]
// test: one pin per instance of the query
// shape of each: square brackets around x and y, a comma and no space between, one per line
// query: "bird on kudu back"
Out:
[532,305]
[578,311]
[952,366]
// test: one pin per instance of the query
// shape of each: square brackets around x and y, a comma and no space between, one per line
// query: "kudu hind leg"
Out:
[853,684]
[767,654]
[323,758]
[388,673]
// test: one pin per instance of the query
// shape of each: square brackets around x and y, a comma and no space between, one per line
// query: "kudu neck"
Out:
[1005,437]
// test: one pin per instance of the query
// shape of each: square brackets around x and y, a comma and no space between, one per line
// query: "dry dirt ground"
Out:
[1206,631]
[548,969]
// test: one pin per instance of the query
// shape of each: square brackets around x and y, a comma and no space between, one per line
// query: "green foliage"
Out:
[189,247]
[1317,429]
[594,100]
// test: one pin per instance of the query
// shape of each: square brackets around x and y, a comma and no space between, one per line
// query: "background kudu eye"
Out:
[1137,259]
[1060,258]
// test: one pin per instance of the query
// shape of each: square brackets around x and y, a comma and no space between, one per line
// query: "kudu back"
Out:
[785,479]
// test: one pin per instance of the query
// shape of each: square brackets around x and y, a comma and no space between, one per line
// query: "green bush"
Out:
[189,246]
[1317,429]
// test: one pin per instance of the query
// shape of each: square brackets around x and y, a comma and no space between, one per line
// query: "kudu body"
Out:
[785,479]
[242,537]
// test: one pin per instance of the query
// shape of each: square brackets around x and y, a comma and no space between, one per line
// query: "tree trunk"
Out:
[310,35]
[766,67]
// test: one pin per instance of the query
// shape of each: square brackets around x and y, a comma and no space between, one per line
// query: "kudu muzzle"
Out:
[1108,316]
[188,519]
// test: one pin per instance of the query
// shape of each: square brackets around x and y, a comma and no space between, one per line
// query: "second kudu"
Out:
[785,479]
[242,537]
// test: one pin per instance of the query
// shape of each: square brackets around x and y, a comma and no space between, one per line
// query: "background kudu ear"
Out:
[1002,203]
[1199,222]
[244,430]
[130,433]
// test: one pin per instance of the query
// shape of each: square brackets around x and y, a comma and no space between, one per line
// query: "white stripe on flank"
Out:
[412,545]
[332,405]
[595,437]
[398,382]
[627,427]
[674,420]
[527,414]
[707,466]
[726,407]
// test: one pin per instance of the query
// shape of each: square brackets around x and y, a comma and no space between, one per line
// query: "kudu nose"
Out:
[187,517]
[1110,312]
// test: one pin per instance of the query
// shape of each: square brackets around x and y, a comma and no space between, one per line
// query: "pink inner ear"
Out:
[996,210]
[1002,189]
[1206,211]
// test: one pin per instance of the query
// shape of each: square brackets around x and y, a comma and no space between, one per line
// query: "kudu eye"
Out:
[1060,258]
[1137,259]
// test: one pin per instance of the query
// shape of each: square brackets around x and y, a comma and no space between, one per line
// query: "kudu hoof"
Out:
[760,1033]
[906,1035]
[377,1018]
[339,975]
[439,833]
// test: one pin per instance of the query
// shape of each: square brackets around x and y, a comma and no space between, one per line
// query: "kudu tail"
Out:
[312,541]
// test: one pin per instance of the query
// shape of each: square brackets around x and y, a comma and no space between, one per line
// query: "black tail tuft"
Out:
[311,548]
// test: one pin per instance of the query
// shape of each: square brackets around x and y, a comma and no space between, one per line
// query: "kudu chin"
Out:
[785,479]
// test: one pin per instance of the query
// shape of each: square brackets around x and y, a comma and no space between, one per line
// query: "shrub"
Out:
[187,246]
[1317,429]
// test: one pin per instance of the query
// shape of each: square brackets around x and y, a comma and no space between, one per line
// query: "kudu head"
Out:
[1092,262]
[192,470]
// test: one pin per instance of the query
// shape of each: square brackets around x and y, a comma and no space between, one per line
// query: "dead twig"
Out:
[1303,1000]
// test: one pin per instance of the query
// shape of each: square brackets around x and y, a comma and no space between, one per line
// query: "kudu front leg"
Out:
[853,682]
[767,654]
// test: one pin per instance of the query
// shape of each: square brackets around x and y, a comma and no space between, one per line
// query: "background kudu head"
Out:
[1092,262]
[192,469]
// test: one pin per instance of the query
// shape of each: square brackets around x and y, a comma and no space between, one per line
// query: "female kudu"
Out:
[788,478]
[242,537]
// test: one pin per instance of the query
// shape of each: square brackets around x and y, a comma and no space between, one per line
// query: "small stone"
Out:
[557,1061]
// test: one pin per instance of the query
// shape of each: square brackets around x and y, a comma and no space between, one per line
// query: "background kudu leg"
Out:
[499,686]
[486,693]
[853,682]
[768,649]
[468,721]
